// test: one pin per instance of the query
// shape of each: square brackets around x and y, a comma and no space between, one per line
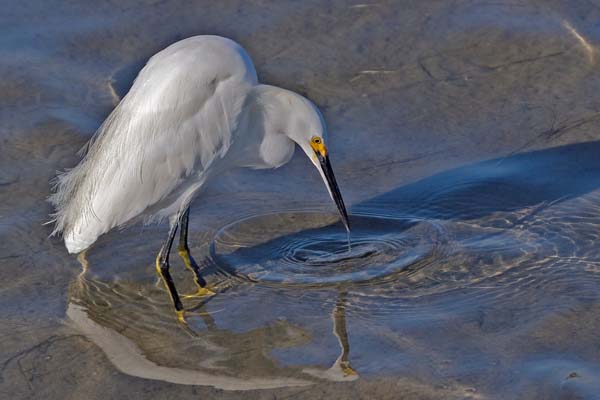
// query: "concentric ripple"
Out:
[312,248]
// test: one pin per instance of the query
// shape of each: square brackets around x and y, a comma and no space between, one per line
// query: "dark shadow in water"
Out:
[474,191]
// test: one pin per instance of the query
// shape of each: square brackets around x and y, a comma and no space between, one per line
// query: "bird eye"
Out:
[316,140]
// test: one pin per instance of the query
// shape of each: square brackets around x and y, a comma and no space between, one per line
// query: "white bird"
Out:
[194,111]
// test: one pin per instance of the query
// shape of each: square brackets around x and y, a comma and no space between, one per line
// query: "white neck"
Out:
[272,119]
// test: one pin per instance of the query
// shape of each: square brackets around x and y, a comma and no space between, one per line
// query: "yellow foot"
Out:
[181,316]
[348,370]
[202,292]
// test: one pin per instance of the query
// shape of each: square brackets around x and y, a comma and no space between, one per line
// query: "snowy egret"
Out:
[194,111]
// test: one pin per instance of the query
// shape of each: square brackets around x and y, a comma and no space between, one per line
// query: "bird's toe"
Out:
[201,292]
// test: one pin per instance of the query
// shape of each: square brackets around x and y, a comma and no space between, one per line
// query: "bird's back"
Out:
[154,149]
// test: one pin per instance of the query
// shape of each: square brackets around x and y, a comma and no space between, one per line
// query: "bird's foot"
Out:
[201,292]
[180,316]
[347,370]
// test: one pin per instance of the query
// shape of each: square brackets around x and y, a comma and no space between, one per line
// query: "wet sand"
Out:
[464,136]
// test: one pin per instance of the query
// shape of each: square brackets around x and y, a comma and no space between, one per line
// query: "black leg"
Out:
[188,260]
[162,268]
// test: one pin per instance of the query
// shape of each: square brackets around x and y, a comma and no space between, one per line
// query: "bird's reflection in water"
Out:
[340,330]
[341,370]
[146,343]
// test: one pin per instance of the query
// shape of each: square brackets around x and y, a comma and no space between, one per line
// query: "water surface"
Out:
[464,136]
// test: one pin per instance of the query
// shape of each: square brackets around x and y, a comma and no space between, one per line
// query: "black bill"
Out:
[333,188]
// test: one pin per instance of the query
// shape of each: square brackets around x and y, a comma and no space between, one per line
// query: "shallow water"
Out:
[464,137]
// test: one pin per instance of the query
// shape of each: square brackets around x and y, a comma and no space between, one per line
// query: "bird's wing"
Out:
[177,119]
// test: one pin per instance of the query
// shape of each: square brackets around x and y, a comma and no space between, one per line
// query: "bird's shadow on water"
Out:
[503,184]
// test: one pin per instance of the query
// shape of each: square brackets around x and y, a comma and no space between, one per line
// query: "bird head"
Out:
[289,118]
[306,127]
[318,154]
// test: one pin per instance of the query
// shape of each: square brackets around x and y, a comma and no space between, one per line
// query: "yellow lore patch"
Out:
[318,146]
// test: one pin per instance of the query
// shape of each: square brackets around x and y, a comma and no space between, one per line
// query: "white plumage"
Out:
[195,110]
